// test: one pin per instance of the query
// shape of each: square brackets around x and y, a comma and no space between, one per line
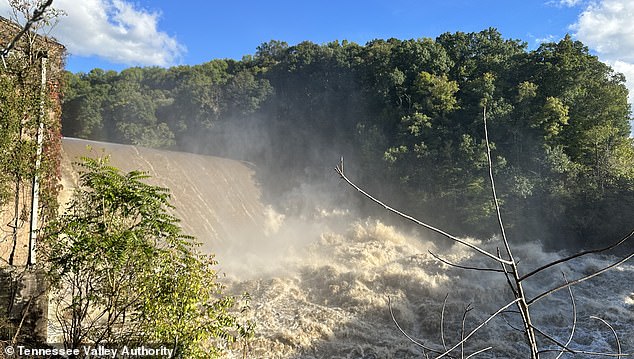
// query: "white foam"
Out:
[331,299]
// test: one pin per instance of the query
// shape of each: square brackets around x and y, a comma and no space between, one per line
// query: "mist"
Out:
[253,180]
[322,273]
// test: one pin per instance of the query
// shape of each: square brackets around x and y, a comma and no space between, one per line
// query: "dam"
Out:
[216,199]
[334,284]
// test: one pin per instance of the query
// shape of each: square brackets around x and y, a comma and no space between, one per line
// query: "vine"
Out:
[29,103]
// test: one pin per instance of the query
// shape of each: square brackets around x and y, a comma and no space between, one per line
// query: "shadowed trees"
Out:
[405,112]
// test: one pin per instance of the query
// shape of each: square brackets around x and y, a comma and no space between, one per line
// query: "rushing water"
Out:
[329,297]
[321,283]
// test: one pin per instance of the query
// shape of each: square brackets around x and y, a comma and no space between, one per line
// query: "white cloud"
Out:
[565,3]
[627,69]
[547,38]
[606,27]
[569,3]
[115,30]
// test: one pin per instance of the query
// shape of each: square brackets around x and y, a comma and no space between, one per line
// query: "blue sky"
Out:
[230,29]
[116,34]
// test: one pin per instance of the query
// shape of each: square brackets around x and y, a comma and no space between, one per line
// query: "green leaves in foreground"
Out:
[124,273]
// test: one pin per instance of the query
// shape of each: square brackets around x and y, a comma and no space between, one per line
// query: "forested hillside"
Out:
[407,114]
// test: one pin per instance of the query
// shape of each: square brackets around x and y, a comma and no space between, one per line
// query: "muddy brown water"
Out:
[321,291]
[215,198]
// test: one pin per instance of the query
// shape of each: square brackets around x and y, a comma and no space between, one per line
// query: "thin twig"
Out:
[509,323]
[464,319]
[574,351]
[616,336]
[411,339]
[580,254]
[420,223]
[471,333]
[587,353]
[508,277]
[555,341]
[492,182]
[574,317]
[442,322]
[465,267]
[25,313]
[556,289]
[478,352]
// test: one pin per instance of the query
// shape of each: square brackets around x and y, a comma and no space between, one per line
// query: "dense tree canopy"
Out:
[406,113]
[122,271]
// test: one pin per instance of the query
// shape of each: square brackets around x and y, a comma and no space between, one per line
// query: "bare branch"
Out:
[420,223]
[580,254]
[555,341]
[516,285]
[568,284]
[492,182]
[464,267]
[602,354]
[616,336]
[471,333]
[442,322]
[464,319]
[587,353]
[24,314]
[575,351]
[574,317]
[508,277]
[509,323]
[411,339]
[478,352]
[38,15]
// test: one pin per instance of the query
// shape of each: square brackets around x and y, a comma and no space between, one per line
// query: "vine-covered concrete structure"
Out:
[31,69]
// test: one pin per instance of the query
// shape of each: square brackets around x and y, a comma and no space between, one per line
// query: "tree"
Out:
[122,272]
[504,263]
[30,66]
[132,110]
[558,117]
[36,14]
[30,128]
[83,105]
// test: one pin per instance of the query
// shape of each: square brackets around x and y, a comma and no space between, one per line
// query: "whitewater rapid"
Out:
[321,279]
[328,297]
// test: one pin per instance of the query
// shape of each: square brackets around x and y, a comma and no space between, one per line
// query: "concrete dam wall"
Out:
[216,199]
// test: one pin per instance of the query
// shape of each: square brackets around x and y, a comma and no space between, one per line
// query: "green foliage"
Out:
[407,111]
[24,105]
[553,117]
[123,273]
[19,116]
[437,92]
[9,134]
[159,108]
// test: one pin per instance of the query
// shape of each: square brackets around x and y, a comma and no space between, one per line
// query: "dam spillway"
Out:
[322,284]
[216,199]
